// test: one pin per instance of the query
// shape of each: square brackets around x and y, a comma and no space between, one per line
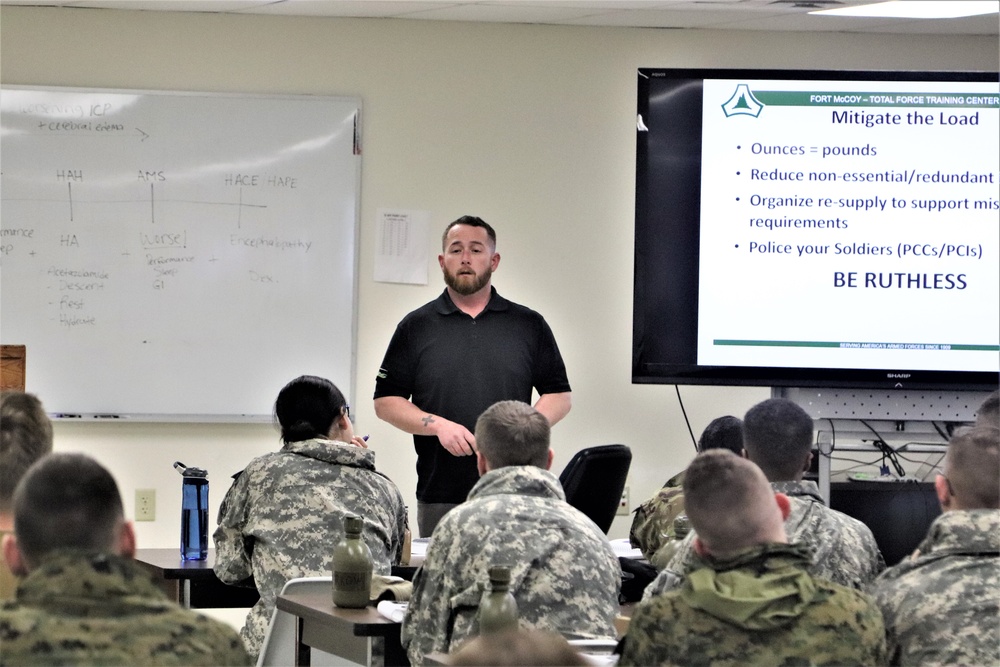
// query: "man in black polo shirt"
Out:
[454,357]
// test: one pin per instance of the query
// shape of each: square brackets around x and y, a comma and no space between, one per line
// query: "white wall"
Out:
[530,127]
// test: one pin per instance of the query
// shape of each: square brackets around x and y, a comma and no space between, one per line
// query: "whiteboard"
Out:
[177,256]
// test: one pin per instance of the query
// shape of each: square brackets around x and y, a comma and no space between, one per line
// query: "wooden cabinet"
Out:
[12,359]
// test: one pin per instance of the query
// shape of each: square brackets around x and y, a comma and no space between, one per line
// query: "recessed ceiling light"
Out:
[918,9]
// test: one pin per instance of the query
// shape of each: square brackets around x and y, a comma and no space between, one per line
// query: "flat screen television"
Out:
[817,229]
[898,513]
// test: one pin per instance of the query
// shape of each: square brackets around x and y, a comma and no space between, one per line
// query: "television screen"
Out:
[898,513]
[817,228]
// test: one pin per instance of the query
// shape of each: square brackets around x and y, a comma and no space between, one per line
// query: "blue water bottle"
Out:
[194,512]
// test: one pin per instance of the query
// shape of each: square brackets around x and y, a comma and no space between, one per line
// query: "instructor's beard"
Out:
[466,284]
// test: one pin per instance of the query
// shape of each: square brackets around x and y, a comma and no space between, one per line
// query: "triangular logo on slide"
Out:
[742,103]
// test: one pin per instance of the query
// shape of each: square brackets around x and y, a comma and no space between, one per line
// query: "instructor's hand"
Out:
[457,439]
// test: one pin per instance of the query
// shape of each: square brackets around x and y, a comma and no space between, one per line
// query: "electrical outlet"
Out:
[145,504]
[623,505]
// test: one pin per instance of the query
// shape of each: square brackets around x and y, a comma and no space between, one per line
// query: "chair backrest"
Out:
[279,641]
[594,480]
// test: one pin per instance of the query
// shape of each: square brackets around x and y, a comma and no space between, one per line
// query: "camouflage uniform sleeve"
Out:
[425,627]
[879,637]
[178,636]
[672,576]
[233,549]
[645,643]
[684,556]
[878,560]
[402,524]
[840,627]
[651,525]
[665,581]
[639,517]
[889,598]
[859,558]
[941,608]
[229,648]
[856,630]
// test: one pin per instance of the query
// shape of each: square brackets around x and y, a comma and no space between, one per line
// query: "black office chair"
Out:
[594,480]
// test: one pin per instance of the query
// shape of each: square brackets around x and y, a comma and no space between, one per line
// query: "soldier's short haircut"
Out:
[470,221]
[777,435]
[988,413]
[972,466]
[25,437]
[306,408]
[66,501]
[723,432]
[728,500]
[512,433]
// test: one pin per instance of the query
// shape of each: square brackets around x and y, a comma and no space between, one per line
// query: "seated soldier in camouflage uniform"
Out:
[83,600]
[941,604]
[26,436]
[653,525]
[564,573]
[750,599]
[777,436]
[285,512]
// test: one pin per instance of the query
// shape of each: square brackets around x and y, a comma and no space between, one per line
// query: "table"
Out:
[824,468]
[347,633]
[192,583]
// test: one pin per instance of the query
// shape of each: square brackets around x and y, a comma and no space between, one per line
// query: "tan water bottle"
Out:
[498,608]
[352,567]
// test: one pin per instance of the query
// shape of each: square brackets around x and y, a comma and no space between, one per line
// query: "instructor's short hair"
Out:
[66,501]
[512,433]
[471,221]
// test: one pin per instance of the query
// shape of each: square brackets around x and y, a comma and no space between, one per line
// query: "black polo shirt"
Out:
[456,366]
